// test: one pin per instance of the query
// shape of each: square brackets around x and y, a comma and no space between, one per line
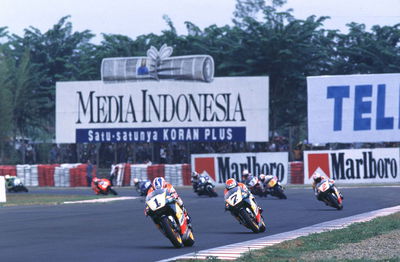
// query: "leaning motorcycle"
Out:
[103,186]
[328,193]
[274,188]
[15,185]
[206,187]
[255,187]
[169,218]
[244,209]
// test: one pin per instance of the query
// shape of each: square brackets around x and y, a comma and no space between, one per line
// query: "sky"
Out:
[133,18]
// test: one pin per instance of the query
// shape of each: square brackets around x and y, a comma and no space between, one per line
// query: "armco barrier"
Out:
[296,172]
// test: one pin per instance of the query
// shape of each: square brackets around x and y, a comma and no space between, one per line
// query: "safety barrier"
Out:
[74,175]
[296,172]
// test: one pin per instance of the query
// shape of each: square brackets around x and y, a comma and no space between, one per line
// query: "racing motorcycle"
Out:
[244,209]
[255,187]
[206,187]
[327,192]
[169,218]
[102,186]
[14,184]
[142,187]
[274,187]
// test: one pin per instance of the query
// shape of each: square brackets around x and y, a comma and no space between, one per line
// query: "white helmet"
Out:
[135,180]
[7,176]
[317,177]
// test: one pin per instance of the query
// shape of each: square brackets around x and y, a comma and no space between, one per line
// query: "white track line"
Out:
[100,200]
[233,251]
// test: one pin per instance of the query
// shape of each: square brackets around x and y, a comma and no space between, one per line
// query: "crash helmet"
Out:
[230,183]
[7,176]
[135,181]
[262,177]
[195,175]
[317,177]
[96,180]
[245,174]
[159,183]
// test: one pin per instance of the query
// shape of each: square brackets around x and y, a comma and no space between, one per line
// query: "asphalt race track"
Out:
[119,231]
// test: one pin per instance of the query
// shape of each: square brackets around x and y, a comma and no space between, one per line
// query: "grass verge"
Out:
[306,248]
[23,199]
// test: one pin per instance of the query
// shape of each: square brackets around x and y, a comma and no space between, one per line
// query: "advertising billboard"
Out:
[380,165]
[224,166]
[226,109]
[354,108]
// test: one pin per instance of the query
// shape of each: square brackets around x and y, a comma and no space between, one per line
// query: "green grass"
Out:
[26,199]
[292,250]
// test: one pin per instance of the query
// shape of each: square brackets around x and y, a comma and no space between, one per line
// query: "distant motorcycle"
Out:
[142,187]
[169,218]
[274,187]
[206,187]
[245,209]
[255,187]
[102,186]
[327,192]
[14,184]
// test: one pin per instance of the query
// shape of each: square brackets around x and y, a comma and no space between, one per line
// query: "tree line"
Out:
[262,40]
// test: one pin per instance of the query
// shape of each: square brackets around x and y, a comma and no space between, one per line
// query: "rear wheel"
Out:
[171,233]
[249,221]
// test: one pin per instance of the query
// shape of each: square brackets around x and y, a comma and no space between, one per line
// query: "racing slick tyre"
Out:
[334,201]
[190,239]
[249,221]
[170,232]
[211,192]
[112,191]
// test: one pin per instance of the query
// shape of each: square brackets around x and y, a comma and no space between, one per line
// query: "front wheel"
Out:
[112,191]
[211,192]
[249,221]
[189,241]
[334,201]
[171,233]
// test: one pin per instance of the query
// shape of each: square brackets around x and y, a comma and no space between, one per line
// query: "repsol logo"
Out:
[228,169]
[366,167]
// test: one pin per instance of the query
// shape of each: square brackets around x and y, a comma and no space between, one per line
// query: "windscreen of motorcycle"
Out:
[156,199]
[234,196]
[323,186]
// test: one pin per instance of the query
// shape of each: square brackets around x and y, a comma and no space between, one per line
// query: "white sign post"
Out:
[2,190]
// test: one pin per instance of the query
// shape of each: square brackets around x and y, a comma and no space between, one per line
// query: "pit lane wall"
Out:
[354,166]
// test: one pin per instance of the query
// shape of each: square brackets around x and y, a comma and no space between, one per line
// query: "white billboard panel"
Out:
[224,166]
[381,165]
[227,109]
[354,108]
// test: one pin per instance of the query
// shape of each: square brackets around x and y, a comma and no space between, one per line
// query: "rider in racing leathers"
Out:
[317,178]
[231,183]
[160,183]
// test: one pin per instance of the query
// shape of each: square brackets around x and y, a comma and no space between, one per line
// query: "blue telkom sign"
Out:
[354,108]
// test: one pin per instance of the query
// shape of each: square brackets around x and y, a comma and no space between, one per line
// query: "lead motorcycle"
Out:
[244,209]
[206,187]
[328,193]
[169,218]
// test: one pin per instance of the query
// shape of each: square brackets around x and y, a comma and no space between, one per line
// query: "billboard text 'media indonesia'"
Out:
[227,109]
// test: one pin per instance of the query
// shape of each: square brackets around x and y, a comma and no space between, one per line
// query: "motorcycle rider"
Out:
[141,186]
[231,183]
[161,183]
[246,177]
[317,178]
[9,181]
[195,181]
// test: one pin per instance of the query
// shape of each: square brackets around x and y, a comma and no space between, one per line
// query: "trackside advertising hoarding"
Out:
[227,109]
[354,108]
[224,166]
[381,165]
